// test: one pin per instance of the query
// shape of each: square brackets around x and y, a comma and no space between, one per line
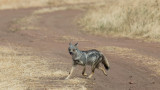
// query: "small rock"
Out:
[153,82]
[131,82]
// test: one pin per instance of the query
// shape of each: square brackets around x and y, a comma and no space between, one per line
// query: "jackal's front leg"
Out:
[83,72]
[70,73]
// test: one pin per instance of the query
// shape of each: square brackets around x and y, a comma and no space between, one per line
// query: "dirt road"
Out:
[52,32]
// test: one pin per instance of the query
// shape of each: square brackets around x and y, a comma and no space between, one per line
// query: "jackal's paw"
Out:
[66,78]
[89,77]
[84,74]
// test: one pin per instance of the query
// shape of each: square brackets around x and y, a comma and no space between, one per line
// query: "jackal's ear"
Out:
[76,44]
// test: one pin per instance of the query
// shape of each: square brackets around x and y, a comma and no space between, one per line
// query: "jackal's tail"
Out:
[105,62]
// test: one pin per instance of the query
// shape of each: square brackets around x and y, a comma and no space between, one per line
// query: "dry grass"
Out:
[68,39]
[127,18]
[74,6]
[48,10]
[67,88]
[29,22]
[16,67]
[140,59]
[21,70]
[24,23]
[62,2]
[15,4]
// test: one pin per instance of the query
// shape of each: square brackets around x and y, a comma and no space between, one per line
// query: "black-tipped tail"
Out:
[105,62]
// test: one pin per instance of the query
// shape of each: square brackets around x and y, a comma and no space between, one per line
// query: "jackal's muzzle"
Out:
[71,53]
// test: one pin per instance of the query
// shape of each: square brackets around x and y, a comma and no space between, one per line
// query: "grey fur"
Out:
[91,57]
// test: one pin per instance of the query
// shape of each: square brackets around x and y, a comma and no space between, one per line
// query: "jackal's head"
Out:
[73,49]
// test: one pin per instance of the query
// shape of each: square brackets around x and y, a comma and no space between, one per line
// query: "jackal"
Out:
[91,57]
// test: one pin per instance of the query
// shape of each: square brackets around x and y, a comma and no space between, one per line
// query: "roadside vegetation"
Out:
[126,18]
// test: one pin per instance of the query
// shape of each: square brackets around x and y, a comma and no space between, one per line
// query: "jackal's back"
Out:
[92,56]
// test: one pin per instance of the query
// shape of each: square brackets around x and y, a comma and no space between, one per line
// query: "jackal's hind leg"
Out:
[93,69]
[103,70]
[90,76]
[83,72]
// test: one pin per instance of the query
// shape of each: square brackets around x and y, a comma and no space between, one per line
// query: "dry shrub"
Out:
[128,18]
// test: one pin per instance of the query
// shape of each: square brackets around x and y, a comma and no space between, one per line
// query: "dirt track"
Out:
[58,28]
